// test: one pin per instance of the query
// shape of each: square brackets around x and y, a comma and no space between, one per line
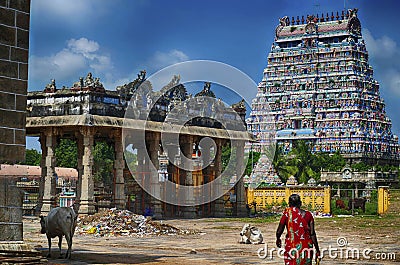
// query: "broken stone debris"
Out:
[114,222]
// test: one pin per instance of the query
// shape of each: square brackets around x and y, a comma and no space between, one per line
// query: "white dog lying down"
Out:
[250,235]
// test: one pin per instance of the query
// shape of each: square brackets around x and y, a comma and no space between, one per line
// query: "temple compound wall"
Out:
[87,112]
[315,198]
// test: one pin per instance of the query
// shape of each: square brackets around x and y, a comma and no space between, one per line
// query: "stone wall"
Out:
[14,45]
[10,210]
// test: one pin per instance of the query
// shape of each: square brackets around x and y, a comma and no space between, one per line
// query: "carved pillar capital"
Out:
[87,131]
[116,134]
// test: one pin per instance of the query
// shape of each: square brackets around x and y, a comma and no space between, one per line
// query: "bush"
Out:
[371,208]
[361,167]
[338,211]
[374,196]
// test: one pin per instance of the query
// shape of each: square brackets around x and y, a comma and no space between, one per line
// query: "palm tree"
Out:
[302,159]
[281,164]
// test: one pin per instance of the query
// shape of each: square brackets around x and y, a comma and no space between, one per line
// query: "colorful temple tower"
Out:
[318,86]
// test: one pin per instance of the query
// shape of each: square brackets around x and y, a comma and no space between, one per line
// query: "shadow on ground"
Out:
[82,256]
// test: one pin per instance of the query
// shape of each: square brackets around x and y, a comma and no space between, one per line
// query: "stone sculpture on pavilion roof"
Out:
[88,83]
[206,92]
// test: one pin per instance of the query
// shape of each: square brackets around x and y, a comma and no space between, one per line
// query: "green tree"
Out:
[303,160]
[330,162]
[252,160]
[67,154]
[282,165]
[103,167]
[32,157]
[361,166]
[103,158]
[303,164]
[131,160]
[225,156]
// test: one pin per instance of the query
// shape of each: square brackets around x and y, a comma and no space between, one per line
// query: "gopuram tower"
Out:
[318,86]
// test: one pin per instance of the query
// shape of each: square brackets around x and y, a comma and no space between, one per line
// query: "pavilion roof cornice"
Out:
[35,124]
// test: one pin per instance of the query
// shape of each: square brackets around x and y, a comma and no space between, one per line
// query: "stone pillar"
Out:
[171,189]
[206,156]
[187,150]
[219,209]
[153,149]
[207,174]
[239,188]
[42,140]
[48,172]
[141,179]
[87,184]
[79,144]
[119,165]
[10,211]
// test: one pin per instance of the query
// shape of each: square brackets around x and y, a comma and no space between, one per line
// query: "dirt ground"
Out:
[217,242]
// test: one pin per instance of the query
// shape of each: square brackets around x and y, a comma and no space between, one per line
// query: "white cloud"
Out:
[83,46]
[383,47]
[384,57]
[79,57]
[111,83]
[163,59]
[155,63]
[392,80]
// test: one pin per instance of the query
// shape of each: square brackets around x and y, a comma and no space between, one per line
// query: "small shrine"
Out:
[312,182]
[292,181]
[263,175]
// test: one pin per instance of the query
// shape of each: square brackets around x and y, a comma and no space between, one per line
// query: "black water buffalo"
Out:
[59,222]
[358,203]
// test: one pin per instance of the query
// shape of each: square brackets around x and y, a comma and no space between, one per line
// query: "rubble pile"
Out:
[115,222]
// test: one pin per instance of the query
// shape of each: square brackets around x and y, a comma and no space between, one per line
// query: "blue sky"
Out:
[114,39]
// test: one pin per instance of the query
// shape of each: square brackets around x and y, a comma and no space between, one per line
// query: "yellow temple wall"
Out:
[316,198]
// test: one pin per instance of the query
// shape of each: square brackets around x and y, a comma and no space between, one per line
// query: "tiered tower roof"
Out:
[318,86]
